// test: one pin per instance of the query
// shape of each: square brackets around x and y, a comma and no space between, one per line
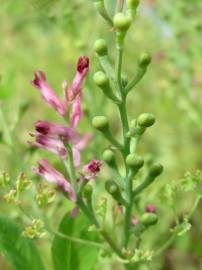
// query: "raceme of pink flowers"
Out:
[53,137]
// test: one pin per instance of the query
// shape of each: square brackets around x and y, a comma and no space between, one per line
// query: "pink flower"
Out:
[150,208]
[76,113]
[48,93]
[82,70]
[51,175]
[66,133]
[92,168]
[50,143]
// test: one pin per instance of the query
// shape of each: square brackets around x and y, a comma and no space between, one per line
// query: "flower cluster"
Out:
[56,137]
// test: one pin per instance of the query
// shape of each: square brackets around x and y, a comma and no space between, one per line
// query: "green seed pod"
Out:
[134,161]
[100,47]
[101,79]
[100,122]
[108,156]
[144,60]
[149,219]
[156,170]
[114,191]
[146,120]
[121,22]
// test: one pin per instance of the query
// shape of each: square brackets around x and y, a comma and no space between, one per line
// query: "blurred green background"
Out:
[50,35]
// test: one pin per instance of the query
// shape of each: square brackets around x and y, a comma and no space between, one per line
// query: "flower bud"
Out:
[146,120]
[149,219]
[108,156]
[111,187]
[101,79]
[100,47]
[100,122]
[156,170]
[144,60]
[121,22]
[114,191]
[134,161]
[150,208]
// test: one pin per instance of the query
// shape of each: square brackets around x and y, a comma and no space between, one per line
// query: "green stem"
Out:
[135,81]
[93,219]
[128,210]
[193,209]
[71,169]
[112,244]
[167,244]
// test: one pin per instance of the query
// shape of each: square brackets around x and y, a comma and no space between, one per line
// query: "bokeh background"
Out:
[50,35]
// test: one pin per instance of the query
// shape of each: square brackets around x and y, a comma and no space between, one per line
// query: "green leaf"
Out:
[19,251]
[68,255]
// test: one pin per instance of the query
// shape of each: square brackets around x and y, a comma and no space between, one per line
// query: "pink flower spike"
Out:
[76,112]
[52,144]
[51,175]
[92,168]
[48,93]
[66,133]
[82,70]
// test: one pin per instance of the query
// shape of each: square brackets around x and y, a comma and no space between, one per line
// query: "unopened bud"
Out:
[100,47]
[111,187]
[134,161]
[155,170]
[149,219]
[101,79]
[108,156]
[121,22]
[150,208]
[146,120]
[100,122]
[144,60]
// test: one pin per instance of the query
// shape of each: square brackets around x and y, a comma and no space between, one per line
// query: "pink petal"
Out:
[53,176]
[76,113]
[48,93]
[76,157]
[84,141]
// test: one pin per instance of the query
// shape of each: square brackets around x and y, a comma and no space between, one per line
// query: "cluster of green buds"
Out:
[125,187]
[35,229]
